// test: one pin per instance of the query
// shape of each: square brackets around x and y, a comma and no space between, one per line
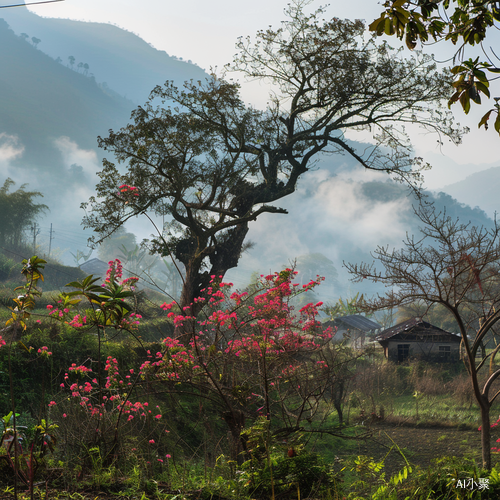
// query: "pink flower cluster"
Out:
[265,328]
[78,321]
[79,370]
[2,341]
[56,311]
[114,400]
[44,351]
[494,449]
[115,270]
[126,189]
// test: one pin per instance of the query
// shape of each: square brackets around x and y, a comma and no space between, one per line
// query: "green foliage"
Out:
[8,268]
[282,465]
[18,211]
[353,305]
[467,24]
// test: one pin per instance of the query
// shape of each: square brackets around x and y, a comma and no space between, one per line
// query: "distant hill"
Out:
[344,214]
[480,189]
[42,100]
[51,114]
[127,64]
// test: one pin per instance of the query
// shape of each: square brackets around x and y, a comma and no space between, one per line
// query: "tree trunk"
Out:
[485,435]
[224,255]
[338,396]
[235,421]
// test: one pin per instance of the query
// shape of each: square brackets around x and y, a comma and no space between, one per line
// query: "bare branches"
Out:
[455,266]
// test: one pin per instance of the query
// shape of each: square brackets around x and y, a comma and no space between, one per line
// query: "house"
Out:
[353,329]
[418,339]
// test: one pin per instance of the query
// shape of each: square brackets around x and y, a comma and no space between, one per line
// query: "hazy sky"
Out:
[206,32]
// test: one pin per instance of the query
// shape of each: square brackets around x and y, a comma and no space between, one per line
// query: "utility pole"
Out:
[50,237]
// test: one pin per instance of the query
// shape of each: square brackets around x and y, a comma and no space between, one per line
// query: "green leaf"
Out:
[75,284]
[389,27]
[497,123]
[483,88]
[484,120]
[378,25]
[465,101]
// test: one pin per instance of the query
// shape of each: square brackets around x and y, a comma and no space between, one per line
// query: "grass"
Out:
[434,410]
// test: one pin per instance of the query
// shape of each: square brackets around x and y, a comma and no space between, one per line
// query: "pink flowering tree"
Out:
[107,310]
[250,355]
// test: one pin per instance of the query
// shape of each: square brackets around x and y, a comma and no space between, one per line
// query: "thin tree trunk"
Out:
[486,435]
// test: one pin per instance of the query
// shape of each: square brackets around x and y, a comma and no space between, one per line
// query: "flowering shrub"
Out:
[251,352]
[44,352]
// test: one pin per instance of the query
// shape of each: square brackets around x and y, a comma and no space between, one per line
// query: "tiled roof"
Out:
[359,322]
[96,267]
[409,325]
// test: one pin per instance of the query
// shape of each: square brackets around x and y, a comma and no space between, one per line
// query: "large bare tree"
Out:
[211,164]
[456,266]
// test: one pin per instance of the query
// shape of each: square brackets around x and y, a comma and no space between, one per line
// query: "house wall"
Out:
[397,350]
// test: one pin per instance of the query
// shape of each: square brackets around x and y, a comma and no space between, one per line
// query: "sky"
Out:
[206,32]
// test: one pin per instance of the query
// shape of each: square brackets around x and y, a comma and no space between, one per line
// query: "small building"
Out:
[354,329]
[417,339]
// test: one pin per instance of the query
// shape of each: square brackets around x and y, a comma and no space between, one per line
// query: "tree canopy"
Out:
[462,22]
[210,164]
[18,211]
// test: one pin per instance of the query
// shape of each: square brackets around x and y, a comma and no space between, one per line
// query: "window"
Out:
[403,352]
[444,352]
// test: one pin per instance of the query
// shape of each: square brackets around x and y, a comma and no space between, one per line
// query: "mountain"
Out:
[479,189]
[43,100]
[120,59]
[343,213]
[51,114]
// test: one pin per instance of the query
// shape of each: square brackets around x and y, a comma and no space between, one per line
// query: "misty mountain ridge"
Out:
[50,117]
[478,189]
[43,100]
[121,59]
[343,213]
